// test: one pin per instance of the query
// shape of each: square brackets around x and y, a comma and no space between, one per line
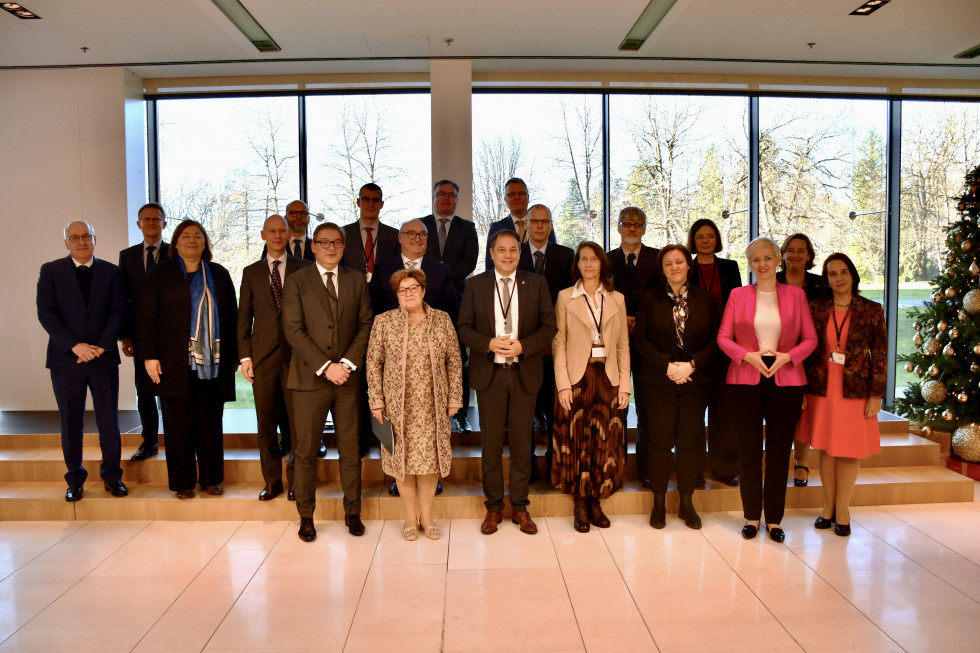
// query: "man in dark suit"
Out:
[135,263]
[516,198]
[298,219]
[634,270]
[327,320]
[80,304]
[554,262]
[453,241]
[506,318]
[264,351]
[378,242]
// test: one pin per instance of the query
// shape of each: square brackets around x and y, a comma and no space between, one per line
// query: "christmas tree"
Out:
[947,338]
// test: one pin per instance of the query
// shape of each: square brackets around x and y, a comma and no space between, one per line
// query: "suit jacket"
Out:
[506,223]
[865,355]
[655,337]
[132,263]
[163,325]
[736,336]
[260,332]
[812,284]
[307,250]
[62,311]
[309,326]
[730,277]
[558,261]
[440,293]
[646,276]
[535,326]
[572,345]
[462,248]
[386,246]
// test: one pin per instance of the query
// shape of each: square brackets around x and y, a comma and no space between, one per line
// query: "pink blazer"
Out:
[797,337]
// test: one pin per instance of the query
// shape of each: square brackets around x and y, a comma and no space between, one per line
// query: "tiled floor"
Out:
[908,578]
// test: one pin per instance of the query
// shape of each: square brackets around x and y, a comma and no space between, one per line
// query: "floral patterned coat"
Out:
[866,358]
[385,366]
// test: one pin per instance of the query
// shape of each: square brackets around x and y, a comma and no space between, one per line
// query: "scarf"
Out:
[680,313]
[204,348]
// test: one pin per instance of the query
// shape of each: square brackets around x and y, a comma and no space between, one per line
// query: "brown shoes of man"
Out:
[490,522]
[523,519]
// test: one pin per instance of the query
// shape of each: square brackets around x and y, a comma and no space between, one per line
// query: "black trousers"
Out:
[273,410]
[146,404]
[544,406]
[193,427]
[780,407]
[722,439]
[679,426]
[505,404]
[70,388]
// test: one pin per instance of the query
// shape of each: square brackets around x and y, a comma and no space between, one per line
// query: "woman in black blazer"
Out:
[186,321]
[720,276]
[675,332]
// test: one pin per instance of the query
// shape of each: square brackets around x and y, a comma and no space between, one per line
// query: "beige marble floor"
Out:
[908,578]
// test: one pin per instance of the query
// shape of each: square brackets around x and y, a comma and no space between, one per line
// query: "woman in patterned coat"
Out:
[414,376]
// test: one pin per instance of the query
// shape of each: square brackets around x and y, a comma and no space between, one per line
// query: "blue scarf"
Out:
[204,348]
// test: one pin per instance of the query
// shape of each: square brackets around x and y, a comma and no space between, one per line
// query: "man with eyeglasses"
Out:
[516,198]
[554,262]
[136,263]
[452,240]
[379,242]
[326,315]
[300,246]
[634,271]
[265,353]
[80,304]
[439,291]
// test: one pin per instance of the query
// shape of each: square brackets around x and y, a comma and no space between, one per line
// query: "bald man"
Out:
[298,220]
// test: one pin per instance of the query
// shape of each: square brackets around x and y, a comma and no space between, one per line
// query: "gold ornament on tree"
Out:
[974,268]
[942,326]
[909,367]
[966,442]
[932,347]
[917,340]
[948,415]
[918,371]
[951,292]
[966,245]
[934,392]
[933,370]
[927,430]
[954,333]
[974,368]
[976,349]
[962,397]
[971,302]
[948,351]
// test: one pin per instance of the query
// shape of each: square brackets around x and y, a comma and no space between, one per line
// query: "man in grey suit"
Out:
[265,352]
[506,319]
[327,320]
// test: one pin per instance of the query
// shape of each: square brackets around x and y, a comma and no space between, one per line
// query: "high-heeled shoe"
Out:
[776,534]
[801,482]
[842,529]
[658,517]
[824,524]
[749,531]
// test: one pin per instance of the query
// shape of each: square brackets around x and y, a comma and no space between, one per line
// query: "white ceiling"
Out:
[176,38]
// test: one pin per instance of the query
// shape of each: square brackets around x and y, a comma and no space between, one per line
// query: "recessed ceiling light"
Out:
[241,18]
[646,23]
[869,6]
[18,10]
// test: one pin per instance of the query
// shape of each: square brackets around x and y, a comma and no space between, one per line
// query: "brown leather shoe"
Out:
[596,516]
[291,493]
[490,522]
[270,492]
[523,519]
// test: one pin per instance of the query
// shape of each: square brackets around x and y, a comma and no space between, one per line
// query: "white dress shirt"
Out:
[498,313]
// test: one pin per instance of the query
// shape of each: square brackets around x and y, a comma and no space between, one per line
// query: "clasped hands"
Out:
[87,352]
[565,399]
[506,346]
[679,373]
[754,358]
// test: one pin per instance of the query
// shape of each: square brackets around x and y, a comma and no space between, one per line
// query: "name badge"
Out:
[837,357]
[367,276]
[598,352]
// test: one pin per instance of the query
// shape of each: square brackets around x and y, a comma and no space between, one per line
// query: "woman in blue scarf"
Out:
[186,320]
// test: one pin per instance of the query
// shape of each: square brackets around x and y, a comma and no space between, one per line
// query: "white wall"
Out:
[452,127]
[63,136]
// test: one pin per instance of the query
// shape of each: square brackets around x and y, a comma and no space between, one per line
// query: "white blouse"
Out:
[767,322]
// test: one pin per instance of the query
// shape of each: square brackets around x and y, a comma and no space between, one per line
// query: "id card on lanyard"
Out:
[837,356]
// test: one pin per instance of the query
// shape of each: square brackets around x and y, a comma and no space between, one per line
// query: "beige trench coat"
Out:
[387,358]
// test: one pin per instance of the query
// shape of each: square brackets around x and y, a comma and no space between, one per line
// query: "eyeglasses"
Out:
[442,195]
[414,235]
[409,290]
[330,244]
[540,222]
[152,220]
[520,193]
[73,239]
[633,225]
[303,213]
[710,236]
[370,200]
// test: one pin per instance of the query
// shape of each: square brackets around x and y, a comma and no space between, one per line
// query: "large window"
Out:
[551,141]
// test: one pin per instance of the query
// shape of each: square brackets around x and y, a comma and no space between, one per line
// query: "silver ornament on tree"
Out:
[966,442]
[971,302]
[934,392]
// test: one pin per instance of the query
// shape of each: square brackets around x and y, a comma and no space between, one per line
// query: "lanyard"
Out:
[840,329]
[510,297]
[602,309]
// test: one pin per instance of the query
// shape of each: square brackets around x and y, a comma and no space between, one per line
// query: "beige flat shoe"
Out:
[411,534]
[432,532]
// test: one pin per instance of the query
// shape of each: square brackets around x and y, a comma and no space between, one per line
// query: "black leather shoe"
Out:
[214,490]
[464,425]
[117,488]
[801,482]
[658,516]
[699,481]
[393,489]
[74,493]
[596,516]
[185,494]
[686,512]
[842,529]
[438,486]
[354,525]
[730,481]
[823,524]
[291,493]
[283,449]
[270,492]
[322,451]
[776,534]
[307,532]
[145,452]
[749,531]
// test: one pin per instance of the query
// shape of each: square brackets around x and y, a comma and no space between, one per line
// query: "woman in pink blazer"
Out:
[767,332]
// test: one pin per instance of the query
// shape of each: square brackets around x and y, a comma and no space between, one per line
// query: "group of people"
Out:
[368,322]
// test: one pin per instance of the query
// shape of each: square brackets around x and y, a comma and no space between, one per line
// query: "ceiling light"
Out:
[247,25]
[869,6]
[18,10]
[646,23]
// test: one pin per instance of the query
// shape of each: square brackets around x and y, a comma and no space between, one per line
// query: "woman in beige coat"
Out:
[592,376]
[414,376]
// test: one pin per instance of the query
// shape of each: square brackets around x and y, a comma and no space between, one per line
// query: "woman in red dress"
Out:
[846,379]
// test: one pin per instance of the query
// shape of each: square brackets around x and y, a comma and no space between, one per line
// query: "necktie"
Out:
[539,262]
[297,248]
[631,264]
[369,251]
[443,232]
[411,265]
[150,260]
[276,285]
[508,318]
[521,229]
[332,301]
